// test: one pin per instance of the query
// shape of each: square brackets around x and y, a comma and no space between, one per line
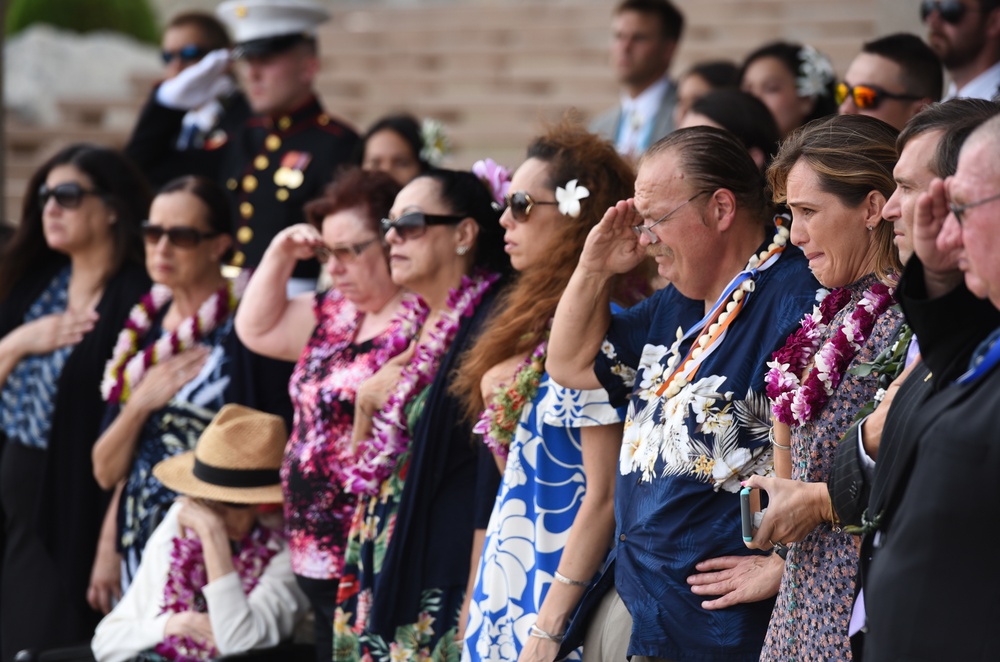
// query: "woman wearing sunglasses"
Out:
[338,338]
[68,277]
[421,485]
[547,536]
[172,367]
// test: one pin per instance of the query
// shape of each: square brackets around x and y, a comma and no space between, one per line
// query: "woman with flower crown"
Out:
[795,82]
[835,175]
[422,486]
[338,339]
[552,522]
[173,361]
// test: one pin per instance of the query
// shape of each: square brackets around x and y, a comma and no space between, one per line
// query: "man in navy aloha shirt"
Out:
[690,363]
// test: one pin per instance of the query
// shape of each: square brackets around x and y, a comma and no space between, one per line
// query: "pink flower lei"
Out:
[187,579]
[376,458]
[795,404]
[499,420]
[127,365]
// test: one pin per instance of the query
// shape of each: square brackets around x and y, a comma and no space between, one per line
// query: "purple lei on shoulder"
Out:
[188,576]
[376,458]
[795,404]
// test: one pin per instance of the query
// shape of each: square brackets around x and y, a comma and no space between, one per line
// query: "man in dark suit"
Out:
[645,36]
[931,582]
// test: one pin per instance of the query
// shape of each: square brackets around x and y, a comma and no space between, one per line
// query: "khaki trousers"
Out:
[609,633]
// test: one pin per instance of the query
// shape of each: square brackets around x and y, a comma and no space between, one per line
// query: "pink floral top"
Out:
[323,386]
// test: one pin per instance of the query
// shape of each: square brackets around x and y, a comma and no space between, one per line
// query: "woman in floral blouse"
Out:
[339,337]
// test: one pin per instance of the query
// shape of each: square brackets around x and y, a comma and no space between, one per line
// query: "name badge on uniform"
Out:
[290,173]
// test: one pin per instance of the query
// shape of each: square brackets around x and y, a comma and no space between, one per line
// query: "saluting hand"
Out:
[612,246]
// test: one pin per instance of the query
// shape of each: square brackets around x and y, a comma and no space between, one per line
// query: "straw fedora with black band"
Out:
[236,460]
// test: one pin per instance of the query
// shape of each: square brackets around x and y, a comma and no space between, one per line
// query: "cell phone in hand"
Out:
[750,512]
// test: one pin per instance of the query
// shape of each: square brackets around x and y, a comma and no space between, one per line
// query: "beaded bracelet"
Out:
[536,631]
[770,436]
[563,579]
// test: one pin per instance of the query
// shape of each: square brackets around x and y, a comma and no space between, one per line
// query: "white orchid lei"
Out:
[127,365]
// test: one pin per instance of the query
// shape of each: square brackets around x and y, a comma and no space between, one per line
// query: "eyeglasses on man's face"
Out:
[413,225]
[521,203]
[950,11]
[959,210]
[867,97]
[186,54]
[647,230]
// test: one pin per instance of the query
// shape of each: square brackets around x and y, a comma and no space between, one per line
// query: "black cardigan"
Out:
[71,503]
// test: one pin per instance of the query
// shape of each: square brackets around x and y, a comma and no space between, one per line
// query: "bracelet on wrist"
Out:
[781,447]
[536,631]
[563,579]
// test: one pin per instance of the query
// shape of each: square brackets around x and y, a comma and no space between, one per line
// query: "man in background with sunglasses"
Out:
[177,133]
[891,79]
[965,34]
[645,34]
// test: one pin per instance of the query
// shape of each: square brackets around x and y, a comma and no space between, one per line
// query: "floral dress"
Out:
[543,487]
[172,430]
[371,532]
[813,610]
[323,387]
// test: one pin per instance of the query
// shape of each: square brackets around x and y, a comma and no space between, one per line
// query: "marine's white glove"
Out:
[198,84]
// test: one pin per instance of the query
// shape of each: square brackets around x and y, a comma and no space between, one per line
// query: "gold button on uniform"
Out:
[244,234]
[246,209]
[249,183]
[281,194]
[238,259]
[272,143]
[231,184]
[261,162]
[284,122]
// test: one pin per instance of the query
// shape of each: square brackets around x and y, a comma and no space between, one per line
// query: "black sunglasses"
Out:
[950,11]
[867,97]
[414,224]
[189,53]
[181,237]
[68,196]
[521,204]
[344,253]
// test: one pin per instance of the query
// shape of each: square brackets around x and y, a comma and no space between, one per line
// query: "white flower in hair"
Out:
[436,144]
[815,73]
[569,198]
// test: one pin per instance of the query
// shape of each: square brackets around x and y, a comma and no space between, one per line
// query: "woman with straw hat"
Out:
[213,580]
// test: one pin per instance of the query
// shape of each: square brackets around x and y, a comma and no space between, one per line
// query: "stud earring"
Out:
[462,250]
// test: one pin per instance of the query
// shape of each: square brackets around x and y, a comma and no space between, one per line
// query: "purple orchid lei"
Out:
[127,365]
[499,420]
[794,404]
[376,458]
[188,576]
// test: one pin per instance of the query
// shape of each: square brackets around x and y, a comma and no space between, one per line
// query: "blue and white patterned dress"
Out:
[543,486]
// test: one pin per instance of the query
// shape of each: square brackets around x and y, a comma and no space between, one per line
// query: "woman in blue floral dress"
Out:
[557,447]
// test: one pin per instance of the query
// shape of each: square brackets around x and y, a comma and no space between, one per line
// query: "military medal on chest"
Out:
[290,173]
